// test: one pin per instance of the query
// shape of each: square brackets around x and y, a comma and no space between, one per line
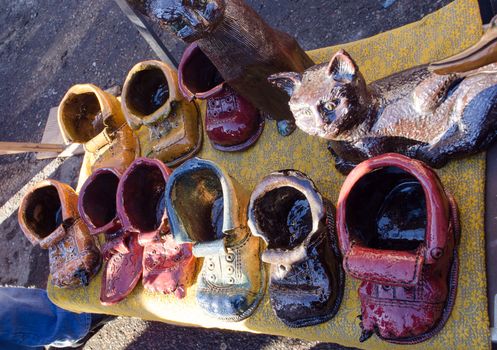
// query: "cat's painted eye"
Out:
[331,105]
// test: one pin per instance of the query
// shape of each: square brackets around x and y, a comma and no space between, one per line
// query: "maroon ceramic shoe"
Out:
[122,253]
[168,267]
[398,231]
[231,122]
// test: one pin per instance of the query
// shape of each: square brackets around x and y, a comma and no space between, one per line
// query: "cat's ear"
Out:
[287,81]
[342,67]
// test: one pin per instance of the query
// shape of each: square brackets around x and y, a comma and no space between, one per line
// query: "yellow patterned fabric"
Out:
[436,36]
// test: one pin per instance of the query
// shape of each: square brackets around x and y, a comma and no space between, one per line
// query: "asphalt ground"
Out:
[48,45]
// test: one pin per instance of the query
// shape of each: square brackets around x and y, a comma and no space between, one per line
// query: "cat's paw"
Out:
[430,157]
[344,166]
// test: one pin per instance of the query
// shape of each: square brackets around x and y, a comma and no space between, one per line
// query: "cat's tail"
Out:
[483,53]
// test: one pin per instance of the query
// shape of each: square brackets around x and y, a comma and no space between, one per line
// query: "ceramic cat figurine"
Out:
[415,112]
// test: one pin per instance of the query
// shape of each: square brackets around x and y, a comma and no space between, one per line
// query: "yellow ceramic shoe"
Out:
[93,117]
[167,125]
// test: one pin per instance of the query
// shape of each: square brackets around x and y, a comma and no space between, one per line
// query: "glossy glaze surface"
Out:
[93,117]
[123,267]
[307,280]
[168,266]
[48,216]
[242,46]
[417,113]
[121,252]
[167,125]
[231,122]
[232,278]
[409,279]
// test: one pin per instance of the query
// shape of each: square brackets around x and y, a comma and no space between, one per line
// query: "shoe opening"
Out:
[284,217]
[199,74]
[99,199]
[386,209]
[197,198]
[82,117]
[147,91]
[43,211]
[144,197]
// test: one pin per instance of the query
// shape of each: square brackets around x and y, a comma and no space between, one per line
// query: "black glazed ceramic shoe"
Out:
[307,279]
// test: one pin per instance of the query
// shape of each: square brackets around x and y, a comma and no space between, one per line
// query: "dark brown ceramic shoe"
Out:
[48,216]
[168,266]
[208,208]
[121,252]
[398,230]
[298,225]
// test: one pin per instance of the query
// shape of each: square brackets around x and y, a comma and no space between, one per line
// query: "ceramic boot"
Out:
[398,231]
[231,122]
[121,252]
[168,126]
[48,216]
[208,208]
[168,267]
[297,223]
[93,117]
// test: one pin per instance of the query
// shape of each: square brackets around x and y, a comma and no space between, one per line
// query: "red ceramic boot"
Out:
[121,252]
[398,231]
[168,267]
[231,122]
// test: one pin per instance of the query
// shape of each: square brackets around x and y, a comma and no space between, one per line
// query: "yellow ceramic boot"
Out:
[93,117]
[167,125]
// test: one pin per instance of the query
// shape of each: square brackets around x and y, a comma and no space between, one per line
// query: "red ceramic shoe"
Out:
[122,253]
[231,122]
[398,231]
[168,267]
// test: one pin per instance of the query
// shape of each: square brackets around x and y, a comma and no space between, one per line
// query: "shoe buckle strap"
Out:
[99,141]
[203,249]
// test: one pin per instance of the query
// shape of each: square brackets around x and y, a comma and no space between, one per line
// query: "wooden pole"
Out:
[147,33]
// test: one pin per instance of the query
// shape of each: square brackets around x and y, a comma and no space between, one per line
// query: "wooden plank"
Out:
[24,147]
[147,33]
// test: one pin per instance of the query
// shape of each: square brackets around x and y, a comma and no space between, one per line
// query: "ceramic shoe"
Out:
[307,280]
[168,126]
[231,122]
[398,231]
[232,278]
[93,117]
[48,216]
[168,267]
[121,251]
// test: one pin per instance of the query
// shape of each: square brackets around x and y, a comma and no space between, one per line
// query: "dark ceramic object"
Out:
[168,266]
[398,231]
[208,208]
[121,252]
[482,53]
[417,113]
[231,122]
[242,46]
[48,216]
[298,225]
